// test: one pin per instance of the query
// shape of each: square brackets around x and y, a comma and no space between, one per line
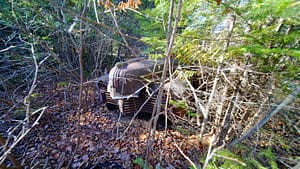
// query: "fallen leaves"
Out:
[54,140]
[85,158]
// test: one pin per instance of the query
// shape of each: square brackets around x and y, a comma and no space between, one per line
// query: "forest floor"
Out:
[102,140]
[107,141]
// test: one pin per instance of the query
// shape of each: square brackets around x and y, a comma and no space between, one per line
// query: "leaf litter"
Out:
[52,142]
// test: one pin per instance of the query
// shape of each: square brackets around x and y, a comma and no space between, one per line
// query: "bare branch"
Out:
[210,152]
[185,156]
[157,108]
[95,10]
[27,98]
[81,69]
[23,134]
[120,32]
[6,49]
[267,117]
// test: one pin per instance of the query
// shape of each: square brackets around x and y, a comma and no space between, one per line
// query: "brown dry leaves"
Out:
[51,144]
[122,6]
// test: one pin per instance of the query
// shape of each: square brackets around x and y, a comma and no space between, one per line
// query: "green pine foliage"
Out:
[252,163]
[265,30]
[226,159]
[273,39]
[201,33]
[226,163]
[269,156]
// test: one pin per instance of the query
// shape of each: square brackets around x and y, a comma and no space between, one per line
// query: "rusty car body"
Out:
[132,86]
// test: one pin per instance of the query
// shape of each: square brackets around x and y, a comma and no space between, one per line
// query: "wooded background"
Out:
[239,61]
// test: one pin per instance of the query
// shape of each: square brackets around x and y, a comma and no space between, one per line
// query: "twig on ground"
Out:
[267,117]
[185,156]
[24,132]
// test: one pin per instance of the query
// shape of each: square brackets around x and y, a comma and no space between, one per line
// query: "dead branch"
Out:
[267,117]
[95,10]
[6,49]
[158,103]
[27,99]
[231,159]
[23,133]
[121,34]
[199,105]
[80,60]
[211,151]
[185,156]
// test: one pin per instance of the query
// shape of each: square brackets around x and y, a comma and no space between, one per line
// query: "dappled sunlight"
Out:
[102,138]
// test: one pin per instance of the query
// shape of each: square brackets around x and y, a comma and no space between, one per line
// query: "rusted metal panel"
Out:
[131,84]
[132,105]
[127,79]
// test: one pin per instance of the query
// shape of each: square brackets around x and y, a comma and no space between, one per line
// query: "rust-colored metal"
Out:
[134,104]
[131,86]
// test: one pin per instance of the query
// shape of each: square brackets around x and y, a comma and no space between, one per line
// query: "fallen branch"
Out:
[24,133]
[267,117]
[185,156]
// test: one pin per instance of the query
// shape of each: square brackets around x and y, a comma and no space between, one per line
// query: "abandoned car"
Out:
[132,86]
